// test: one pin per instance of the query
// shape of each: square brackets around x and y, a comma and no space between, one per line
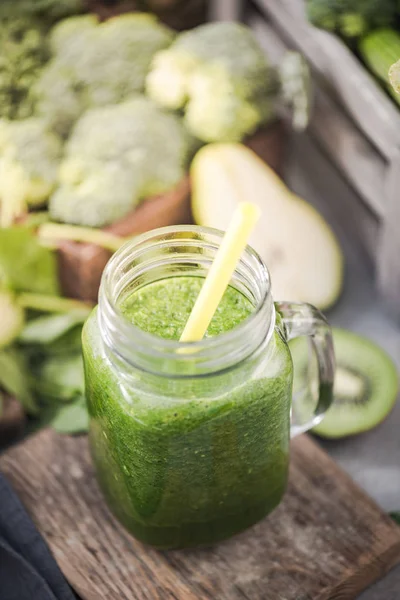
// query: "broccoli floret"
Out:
[220,76]
[24,53]
[116,157]
[96,64]
[49,10]
[29,159]
[71,31]
[351,18]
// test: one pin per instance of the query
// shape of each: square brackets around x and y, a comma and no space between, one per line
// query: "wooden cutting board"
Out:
[327,540]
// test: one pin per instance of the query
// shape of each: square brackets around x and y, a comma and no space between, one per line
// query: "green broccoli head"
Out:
[96,64]
[351,18]
[48,10]
[29,159]
[26,53]
[116,157]
[219,74]
[220,114]
[93,194]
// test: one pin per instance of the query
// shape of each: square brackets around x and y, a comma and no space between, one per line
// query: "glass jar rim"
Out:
[206,350]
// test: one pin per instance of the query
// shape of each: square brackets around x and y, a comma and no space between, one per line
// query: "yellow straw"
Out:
[221,271]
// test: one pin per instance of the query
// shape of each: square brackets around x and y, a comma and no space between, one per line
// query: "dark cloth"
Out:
[28,570]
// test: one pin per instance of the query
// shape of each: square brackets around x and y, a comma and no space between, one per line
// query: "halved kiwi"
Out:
[365,388]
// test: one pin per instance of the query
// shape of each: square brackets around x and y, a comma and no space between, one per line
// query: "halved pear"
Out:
[299,248]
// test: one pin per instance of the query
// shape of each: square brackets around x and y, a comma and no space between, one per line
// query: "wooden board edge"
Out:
[368,574]
[305,440]
[74,579]
[387,552]
[338,136]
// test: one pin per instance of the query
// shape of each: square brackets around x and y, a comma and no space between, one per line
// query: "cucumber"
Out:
[379,50]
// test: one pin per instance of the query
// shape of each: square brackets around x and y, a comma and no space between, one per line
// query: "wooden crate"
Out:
[353,120]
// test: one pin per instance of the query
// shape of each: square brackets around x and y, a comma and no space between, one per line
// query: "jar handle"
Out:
[298,319]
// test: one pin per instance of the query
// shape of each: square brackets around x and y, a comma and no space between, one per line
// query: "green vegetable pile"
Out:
[96,64]
[40,335]
[370,27]
[25,50]
[29,158]
[352,18]
[96,117]
[48,11]
[90,145]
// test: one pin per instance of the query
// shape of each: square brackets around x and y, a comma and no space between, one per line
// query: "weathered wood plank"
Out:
[349,149]
[327,540]
[225,10]
[348,214]
[375,178]
[388,260]
[348,80]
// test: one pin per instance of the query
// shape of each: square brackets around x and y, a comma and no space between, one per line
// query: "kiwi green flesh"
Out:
[365,388]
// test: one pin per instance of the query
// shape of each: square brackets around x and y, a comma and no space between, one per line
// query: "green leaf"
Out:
[72,418]
[48,329]
[62,376]
[14,378]
[395,516]
[66,372]
[43,419]
[26,266]
[69,343]
[50,393]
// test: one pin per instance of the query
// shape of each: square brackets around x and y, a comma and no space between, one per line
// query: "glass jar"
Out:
[190,442]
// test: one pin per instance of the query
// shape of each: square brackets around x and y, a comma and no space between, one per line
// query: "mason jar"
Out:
[190,441]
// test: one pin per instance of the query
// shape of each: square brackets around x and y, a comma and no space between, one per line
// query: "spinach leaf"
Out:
[49,392]
[68,343]
[43,419]
[62,376]
[48,329]
[25,265]
[14,378]
[72,418]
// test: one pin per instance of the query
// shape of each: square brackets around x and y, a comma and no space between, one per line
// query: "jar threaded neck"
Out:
[176,251]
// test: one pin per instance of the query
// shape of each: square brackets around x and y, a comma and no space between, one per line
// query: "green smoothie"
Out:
[190,460]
